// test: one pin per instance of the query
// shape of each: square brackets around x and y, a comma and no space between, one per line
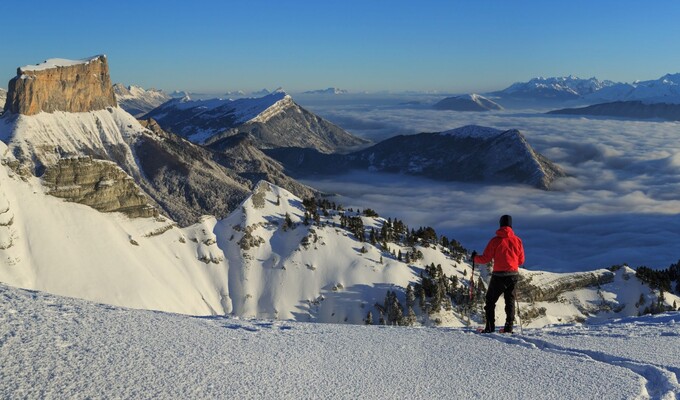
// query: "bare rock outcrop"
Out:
[61,85]
[99,184]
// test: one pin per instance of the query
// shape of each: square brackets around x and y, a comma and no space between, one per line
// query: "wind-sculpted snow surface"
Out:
[54,347]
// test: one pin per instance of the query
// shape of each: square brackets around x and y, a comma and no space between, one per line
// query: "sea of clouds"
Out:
[620,203]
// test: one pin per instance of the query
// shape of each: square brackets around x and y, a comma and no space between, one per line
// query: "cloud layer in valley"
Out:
[621,202]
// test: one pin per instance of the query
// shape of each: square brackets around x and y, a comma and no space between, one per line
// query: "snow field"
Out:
[55,347]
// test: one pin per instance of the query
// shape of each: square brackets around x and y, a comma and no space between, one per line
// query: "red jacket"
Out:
[505,250]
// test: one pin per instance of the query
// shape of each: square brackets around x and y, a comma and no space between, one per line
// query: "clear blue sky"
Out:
[451,46]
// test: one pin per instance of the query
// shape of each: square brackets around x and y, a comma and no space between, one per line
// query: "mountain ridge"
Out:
[469,153]
[274,120]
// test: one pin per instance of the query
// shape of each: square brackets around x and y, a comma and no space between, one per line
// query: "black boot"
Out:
[508,327]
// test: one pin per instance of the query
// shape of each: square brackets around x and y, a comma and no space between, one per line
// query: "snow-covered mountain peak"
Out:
[467,102]
[137,100]
[57,63]
[268,204]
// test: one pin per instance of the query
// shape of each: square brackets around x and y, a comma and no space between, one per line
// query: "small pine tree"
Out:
[369,318]
[410,296]
[381,259]
[288,223]
[381,321]
[399,255]
[410,317]
[675,306]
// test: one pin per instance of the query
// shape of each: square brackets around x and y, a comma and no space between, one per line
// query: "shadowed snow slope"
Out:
[54,347]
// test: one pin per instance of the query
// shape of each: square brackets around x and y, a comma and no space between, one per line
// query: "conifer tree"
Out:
[410,317]
[369,318]
[410,296]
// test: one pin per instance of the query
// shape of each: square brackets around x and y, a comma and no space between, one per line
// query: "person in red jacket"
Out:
[507,252]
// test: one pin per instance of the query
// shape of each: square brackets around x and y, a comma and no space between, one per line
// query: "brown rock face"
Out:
[101,185]
[61,85]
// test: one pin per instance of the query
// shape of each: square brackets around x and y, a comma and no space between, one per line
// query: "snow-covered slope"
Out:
[138,101]
[56,347]
[467,102]
[42,139]
[274,120]
[663,90]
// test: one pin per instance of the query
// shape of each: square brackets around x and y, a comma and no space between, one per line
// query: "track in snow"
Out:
[658,382]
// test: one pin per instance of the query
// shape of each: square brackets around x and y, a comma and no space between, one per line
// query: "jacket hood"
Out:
[505,232]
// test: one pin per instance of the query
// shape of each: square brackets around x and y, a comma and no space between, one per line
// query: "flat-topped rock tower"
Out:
[61,85]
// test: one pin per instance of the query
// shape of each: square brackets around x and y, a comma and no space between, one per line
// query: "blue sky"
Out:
[449,46]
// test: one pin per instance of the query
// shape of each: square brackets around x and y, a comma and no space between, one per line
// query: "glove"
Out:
[473,255]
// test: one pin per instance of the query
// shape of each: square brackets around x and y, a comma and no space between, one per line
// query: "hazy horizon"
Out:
[449,47]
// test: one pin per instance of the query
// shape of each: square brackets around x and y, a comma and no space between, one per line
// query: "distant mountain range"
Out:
[470,153]
[467,102]
[330,90]
[663,90]
[139,101]
[555,88]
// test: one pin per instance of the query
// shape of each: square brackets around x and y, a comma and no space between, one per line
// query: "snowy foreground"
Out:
[55,347]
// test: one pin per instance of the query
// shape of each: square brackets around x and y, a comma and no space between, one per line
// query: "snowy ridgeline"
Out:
[279,257]
[56,347]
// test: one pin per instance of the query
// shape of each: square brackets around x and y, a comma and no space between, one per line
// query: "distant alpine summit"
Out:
[555,88]
[139,101]
[467,102]
[274,120]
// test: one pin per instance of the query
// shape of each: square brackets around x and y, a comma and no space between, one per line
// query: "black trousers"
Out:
[504,285]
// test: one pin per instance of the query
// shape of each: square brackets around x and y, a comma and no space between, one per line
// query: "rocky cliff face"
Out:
[101,185]
[61,85]
[189,180]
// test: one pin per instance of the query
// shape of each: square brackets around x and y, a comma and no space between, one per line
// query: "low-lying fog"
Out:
[621,203]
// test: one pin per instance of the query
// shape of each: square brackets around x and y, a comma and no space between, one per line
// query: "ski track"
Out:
[659,382]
